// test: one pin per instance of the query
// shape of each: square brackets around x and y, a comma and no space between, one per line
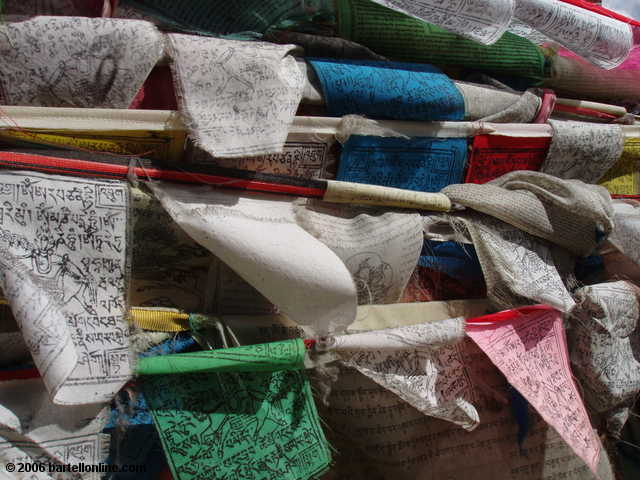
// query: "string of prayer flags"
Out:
[239,425]
[530,348]
[392,90]
[494,155]
[268,357]
[423,164]
[75,163]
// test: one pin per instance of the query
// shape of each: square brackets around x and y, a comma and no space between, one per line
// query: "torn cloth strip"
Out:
[400,37]
[423,164]
[80,62]
[391,90]
[493,155]
[531,350]
[423,364]
[238,425]
[64,269]
[238,98]
[603,340]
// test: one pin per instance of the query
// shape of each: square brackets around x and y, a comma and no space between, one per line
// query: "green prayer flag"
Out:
[219,17]
[404,38]
[265,357]
[238,425]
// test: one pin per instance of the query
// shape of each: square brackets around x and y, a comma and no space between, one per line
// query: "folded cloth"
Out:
[569,213]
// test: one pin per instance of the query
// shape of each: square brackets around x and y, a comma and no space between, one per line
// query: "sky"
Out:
[630,8]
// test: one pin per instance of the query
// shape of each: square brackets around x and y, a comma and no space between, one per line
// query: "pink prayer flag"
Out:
[529,347]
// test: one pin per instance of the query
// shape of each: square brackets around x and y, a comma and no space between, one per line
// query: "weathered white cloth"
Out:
[604,339]
[583,151]
[76,61]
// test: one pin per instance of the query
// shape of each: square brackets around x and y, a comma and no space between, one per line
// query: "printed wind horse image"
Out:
[85,75]
[373,277]
[72,283]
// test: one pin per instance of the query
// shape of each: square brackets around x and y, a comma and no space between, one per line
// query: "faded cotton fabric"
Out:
[605,340]
[238,98]
[583,151]
[568,213]
[76,61]
[423,364]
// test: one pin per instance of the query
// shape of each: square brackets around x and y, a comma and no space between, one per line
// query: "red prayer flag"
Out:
[492,156]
